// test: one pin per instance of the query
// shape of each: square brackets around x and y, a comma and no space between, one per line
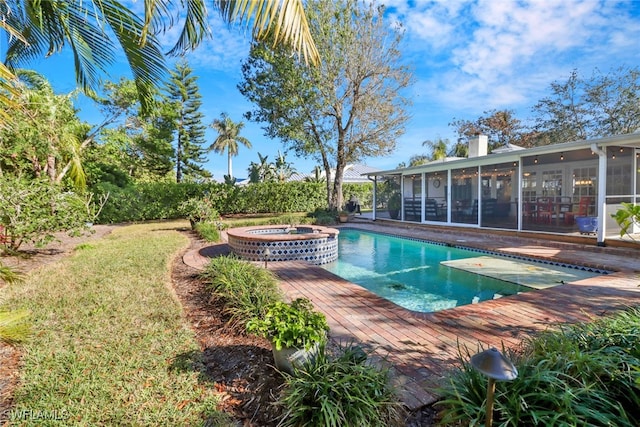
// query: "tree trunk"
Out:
[51,167]
[229,166]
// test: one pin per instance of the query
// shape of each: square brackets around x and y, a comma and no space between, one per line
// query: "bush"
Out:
[145,201]
[199,209]
[583,374]
[294,325]
[247,290]
[161,200]
[33,211]
[323,217]
[337,390]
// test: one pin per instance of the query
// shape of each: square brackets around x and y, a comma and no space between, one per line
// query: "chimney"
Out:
[478,146]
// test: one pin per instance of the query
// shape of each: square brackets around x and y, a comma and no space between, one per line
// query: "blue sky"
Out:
[467,56]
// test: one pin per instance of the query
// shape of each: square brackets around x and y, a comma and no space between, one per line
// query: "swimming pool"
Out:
[415,275]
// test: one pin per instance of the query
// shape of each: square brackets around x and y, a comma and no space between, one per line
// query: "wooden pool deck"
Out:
[421,347]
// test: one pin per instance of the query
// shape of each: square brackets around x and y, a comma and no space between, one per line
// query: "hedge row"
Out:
[152,201]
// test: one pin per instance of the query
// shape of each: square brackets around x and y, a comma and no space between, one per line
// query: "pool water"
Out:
[410,274]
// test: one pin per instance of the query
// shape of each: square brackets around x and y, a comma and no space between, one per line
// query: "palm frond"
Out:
[195,28]
[283,20]
[14,326]
[10,275]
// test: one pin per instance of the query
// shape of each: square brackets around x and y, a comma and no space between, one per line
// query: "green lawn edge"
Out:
[110,345]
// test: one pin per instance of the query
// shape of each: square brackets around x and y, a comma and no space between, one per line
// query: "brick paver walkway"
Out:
[422,346]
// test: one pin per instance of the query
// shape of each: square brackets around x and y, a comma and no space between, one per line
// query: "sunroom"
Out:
[569,188]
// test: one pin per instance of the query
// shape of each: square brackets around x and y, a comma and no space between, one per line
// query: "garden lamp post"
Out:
[266,254]
[494,365]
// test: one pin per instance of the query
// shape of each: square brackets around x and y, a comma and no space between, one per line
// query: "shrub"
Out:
[209,231]
[247,290]
[583,374]
[323,217]
[33,211]
[198,209]
[337,390]
[294,325]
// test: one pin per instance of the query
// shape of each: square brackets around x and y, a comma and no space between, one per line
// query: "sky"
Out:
[467,57]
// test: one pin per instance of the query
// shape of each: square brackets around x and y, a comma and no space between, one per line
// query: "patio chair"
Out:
[431,210]
[544,210]
[353,206]
[583,210]
[471,213]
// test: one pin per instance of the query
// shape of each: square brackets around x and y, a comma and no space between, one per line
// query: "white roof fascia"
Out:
[617,140]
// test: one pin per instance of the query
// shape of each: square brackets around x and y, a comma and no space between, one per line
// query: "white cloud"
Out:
[504,54]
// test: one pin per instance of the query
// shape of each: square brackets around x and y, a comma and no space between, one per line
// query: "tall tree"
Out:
[439,148]
[347,108]
[604,105]
[283,168]
[562,116]
[228,139]
[501,126]
[185,96]
[91,29]
[139,145]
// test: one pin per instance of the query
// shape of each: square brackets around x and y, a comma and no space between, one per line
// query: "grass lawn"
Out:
[108,335]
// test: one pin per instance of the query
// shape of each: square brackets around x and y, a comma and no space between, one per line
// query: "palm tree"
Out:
[92,30]
[228,138]
[284,169]
[438,148]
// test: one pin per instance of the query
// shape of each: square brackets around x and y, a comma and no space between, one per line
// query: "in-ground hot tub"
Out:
[312,243]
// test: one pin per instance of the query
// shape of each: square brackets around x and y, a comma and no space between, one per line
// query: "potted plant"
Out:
[294,329]
[343,216]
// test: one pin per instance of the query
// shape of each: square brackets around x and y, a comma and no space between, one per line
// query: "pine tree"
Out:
[184,93]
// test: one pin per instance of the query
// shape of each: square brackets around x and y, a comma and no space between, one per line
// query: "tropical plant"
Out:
[394,202]
[588,374]
[627,217]
[14,326]
[246,290]
[439,148]
[228,138]
[9,274]
[264,171]
[45,137]
[291,325]
[88,28]
[284,169]
[340,388]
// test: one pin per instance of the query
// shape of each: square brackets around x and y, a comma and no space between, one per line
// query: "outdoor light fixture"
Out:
[561,156]
[535,160]
[494,365]
[266,254]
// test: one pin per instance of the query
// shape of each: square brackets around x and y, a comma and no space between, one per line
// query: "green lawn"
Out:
[107,332]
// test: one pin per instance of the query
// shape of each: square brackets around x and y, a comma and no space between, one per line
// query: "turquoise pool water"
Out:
[410,274]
